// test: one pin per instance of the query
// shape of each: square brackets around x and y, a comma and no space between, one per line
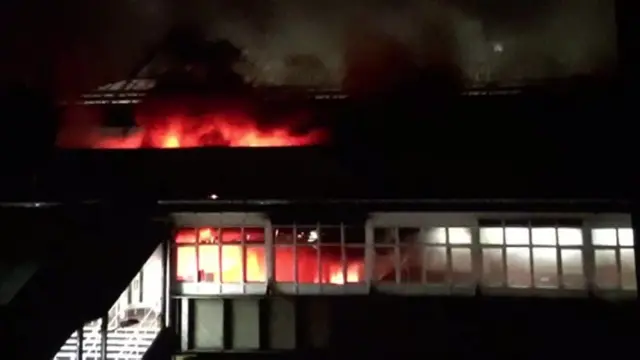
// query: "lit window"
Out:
[518,267]
[545,267]
[569,236]
[532,256]
[492,235]
[459,235]
[230,255]
[614,258]
[413,255]
[321,254]
[517,235]
[455,236]
[493,268]
[543,236]
[625,237]
[604,237]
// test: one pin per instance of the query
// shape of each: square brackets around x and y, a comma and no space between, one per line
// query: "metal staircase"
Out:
[122,344]
[132,324]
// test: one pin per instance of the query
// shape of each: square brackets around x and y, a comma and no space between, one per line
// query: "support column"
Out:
[80,346]
[104,329]
[635,221]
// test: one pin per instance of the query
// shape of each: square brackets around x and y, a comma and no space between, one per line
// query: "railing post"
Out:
[80,343]
[104,328]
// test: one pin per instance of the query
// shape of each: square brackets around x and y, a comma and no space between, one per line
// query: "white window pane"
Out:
[545,267]
[625,236]
[517,235]
[435,264]
[572,268]
[461,266]
[436,236]
[209,263]
[606,268]
[518,267]
[628,267]
[459,235]
[187,270]
[493,271]
[604,237]
[491,235]
[543,236]
[569,236]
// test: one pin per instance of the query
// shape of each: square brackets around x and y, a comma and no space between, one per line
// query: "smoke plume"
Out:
[78,45]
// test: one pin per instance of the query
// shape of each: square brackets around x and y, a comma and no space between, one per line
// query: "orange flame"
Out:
[160,125]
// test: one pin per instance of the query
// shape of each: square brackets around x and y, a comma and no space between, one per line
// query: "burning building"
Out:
[179,250]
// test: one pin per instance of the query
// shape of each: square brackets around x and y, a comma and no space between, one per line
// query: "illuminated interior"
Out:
[506,256]
[235,255]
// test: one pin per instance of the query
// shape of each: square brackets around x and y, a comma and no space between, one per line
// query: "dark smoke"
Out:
[76,45]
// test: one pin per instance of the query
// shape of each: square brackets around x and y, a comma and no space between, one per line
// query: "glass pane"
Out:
[283,264]
[186,236]
[232,263]
[628,267]
[313,235]
[255,264]
[461,268]
[354,235]
[491,236]
[254,235]
[493,271]
[435,265]
[409,235]
[309,269]
[518,267]
[331,269]
[411,260]
[384,236]
[209,260]
[625,236]
[545,267]
[517,235]
[572,268]
[459,235]
[186,264]
[569,236]
[604,237]
[543,236]
[355,264]
[606,268]
[437,236]
[284,235]
[385,261]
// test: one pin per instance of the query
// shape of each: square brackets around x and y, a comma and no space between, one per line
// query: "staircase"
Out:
[128,343]
[122,344]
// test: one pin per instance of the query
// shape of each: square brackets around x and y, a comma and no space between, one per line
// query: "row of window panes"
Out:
[420,260]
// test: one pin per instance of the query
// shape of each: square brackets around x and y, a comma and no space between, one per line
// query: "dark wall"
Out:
[465,327]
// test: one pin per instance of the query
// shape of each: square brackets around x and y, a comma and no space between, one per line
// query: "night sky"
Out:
[76,45]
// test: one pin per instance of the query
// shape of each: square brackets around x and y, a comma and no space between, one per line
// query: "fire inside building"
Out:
[323,251]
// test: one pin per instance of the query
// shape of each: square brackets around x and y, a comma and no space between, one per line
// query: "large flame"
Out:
[181,123]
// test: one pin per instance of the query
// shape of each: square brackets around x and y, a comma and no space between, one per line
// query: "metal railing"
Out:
[122,343]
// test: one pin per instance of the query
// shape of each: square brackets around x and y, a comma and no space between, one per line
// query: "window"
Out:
[532,254]
[614,258]
[319,254]
[415,255]
[220,255]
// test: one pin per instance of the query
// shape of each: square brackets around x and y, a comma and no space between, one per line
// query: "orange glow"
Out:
[228,235]
[301,264]
[169,124]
